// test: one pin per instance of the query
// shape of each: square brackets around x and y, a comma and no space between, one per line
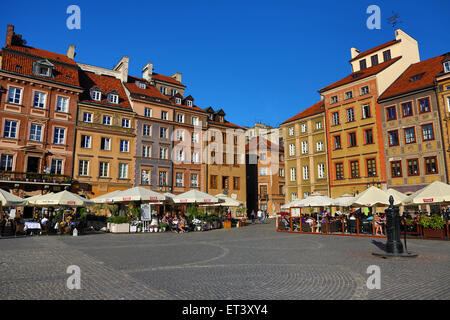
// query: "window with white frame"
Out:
[303,126]
[447,66]
[319,146]
[195,137]
[39,99]
[141,85]
[148,112]
[163,90]
[104,169]
[10,129]
[124,146]
[305,173]
[335,118]
[146,151]
[87,117]
[195,157]
[164,115]
[177,100]
[58,136]
[318,125]
[281,173]
[105,144]
[6,163]
[178,179]
[305,195]
[163,132]
[180,155]
[145,177]
[195,121]
[147,130]
[83,168]
[263,172]
[173,92]
[321,170]
[85,141]
[113,98]
[180,118]
[189,103]
[304,147]
[96,95]
[291,131]
[56,167]
[194,180]
[180,135]
[35,132]
[107,120]
[123,170]
[293,196]
[293,175]
[292,150]
[366,111]
[163,153]
[350,115]
[348,95]
[448,104]
[126,123]
[14,95]
[62,104]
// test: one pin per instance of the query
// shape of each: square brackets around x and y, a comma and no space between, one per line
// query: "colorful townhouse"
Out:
[39,91]
[105,138]
[443,100]
[265,176]
[224,154]
[306,153]
[411,128]
[353,116]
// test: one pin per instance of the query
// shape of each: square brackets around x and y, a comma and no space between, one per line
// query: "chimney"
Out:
[71,52]
[122,68]
[177,76]
[147,72]
[9,35]
[354,52]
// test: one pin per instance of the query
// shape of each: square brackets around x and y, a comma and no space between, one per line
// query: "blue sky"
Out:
[258,60]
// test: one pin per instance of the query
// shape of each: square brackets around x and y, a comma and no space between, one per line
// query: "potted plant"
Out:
[163,227]
[433,227]
[120,224]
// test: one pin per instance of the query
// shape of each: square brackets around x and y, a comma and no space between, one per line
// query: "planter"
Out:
[120,228]
[198,228]
[227,225]
[434,234]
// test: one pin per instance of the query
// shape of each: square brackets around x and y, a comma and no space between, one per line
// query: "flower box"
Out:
[434,234]
[120,228]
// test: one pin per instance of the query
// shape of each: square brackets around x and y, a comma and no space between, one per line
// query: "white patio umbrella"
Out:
[138,194]
[316,200]
[31,201]
[371,197]
[195,196]
[436,192]
[398,196]
[291,204]
[7,199]
[228,202]
[63,198]
[343,201]
[106,198]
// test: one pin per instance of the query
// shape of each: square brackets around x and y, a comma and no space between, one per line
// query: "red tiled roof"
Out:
[21,59]
[427,70]
[367,52]
[226,123]
[355,76]
[150,90]
[314,109]
[194,107]
[106,84]
[166,79]
[261,142]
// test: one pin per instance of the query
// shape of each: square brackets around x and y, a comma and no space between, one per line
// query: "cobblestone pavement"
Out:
[254,262]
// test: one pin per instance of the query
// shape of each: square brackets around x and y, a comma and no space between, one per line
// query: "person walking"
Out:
[259,215]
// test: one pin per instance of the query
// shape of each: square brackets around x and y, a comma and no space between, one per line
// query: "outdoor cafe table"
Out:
[32,225]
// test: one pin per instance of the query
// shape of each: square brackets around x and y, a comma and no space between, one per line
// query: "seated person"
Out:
[181,225]
[309,221]
[285,222]
[175,224]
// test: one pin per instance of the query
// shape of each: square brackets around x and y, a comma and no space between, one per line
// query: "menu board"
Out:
[296,212]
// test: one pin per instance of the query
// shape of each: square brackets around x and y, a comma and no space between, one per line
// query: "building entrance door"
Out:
[33,164]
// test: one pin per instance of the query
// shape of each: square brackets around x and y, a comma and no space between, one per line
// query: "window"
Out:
[195,121]
[318,125]
[113,98]
[148,112]
[368,136]
[39,100]
[123,171]
[413,167]
[337,142]
[386,55]
[292,150]
[393,138]
[56,167]
[124,146]
[141,85]
[146,151]
[195,137]
[189,103]
[14,95]
[362,64]
[179,179]
[147,130]
[374,60]
[6,163]
[236,183]
[334,99]
[352,139]
[173,92]
[303,127]
[321,171]
[293,174]
[107,120]
[348,95]
[126,123]
[96,95]
[163,153]
[235,160]
[62,104]
[354,169]
[447,66]
[10,130]
[43,69]
[83,168]
[35,132]
[431,165]
[180,118]
[85,141]
[194,180]
[350,115]
[427,132]
[364,90]
[410,135]
[448,104]
[306,194]
[407,109]
[293,196]
[366,111]
[177,100]
[195,157]
[371,167]
[105,144]
[225,182]
[180,155]
[305,173]
[58,137]
[87,117]
[213,182]
[262,156]
[163,90]
[263,172]
[396,169]
[291,131]
[319,146]
[424,105]
[281,173]
[339,171]
[335,118]
[162,178]
[180,135]
[391,113]
[416,77]
[163,133]
[104,169]
[145,177]
[164,115]
[304,147]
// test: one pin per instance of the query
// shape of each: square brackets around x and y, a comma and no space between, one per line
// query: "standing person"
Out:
[253,216]
[259,215]
[263,215]
[3,224]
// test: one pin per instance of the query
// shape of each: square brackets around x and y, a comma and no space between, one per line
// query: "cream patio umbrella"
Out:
[106,198]
[138,194]
[63,198]
[398,196]
[31,201]
[228,202]
[343,201]
[195,196]
[436,192]
[7,199]
[371,197]
[291,204]
[316,200]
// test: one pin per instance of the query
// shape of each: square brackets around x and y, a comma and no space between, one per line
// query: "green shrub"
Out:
[119,219]
[434,222]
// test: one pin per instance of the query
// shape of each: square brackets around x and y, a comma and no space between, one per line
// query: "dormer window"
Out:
[43,68]
[189,103]
[177,100]
[416,77]
[113,97]
[447,66]
[141,85]
[96,94]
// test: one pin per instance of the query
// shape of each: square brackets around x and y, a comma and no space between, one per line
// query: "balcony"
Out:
[34,178]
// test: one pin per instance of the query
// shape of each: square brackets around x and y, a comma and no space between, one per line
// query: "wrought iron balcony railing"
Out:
[35,178]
